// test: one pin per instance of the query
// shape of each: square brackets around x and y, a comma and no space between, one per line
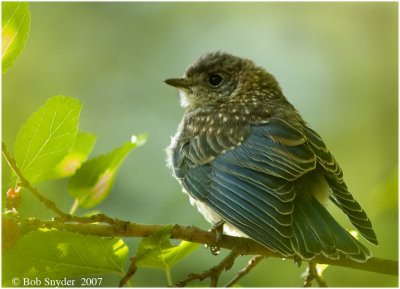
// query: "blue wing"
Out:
[249,186]
[253,186]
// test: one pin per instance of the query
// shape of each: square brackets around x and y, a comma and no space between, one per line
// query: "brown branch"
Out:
[212,273]
[243,246]
[131,271]
[246,270]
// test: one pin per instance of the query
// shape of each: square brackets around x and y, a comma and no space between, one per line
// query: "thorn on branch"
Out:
[252,263]
[214,272]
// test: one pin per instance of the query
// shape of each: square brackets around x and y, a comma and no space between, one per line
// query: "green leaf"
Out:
[156,250]
[94,179]
[15,25]
[47,137]
[57,255]
[82,148]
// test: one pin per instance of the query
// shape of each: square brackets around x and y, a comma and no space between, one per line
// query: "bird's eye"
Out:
[215,79]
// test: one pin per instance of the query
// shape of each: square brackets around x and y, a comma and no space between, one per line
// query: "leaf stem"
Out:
[169,278]
[26,184]
[23,182]
[74,207]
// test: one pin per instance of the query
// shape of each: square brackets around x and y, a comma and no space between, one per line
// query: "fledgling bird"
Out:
[247,158]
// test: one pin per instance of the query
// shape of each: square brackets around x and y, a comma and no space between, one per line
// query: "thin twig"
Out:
[131,271]
[212,273]
[321,282]
[312,274]
[252,263]
[23,182]
[309,275]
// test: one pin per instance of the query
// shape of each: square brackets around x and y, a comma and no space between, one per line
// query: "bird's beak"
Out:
[178,82]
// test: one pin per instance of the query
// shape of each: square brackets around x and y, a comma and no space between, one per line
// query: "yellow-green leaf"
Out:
[156,250]
[79,153]
[57,255]
[47,137]
[15,25]
[94,179]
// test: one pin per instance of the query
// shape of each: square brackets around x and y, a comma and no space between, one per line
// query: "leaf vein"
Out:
[9,19]
[108,257]
[30,143]
[162,256]
[16,32]
[49,137]
[79,254]
[71,131]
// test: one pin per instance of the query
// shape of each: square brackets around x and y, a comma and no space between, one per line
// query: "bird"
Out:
[249,161]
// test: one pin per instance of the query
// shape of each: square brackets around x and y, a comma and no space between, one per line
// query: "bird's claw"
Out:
[297,260]
[218,229]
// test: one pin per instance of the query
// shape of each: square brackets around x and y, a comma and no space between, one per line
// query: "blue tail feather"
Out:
[316,231]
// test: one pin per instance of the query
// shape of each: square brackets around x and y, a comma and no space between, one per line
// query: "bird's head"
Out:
[218,77]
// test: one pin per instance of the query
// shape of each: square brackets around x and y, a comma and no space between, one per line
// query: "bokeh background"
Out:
[336,62]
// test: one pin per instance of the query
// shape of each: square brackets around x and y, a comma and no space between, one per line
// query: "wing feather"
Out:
[249,186]
[249,180]
[339,192]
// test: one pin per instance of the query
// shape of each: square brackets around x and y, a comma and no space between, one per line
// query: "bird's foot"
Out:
[297,260]
[218,229]
[312,274]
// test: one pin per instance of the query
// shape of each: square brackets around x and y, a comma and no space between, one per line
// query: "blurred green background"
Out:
[336,62]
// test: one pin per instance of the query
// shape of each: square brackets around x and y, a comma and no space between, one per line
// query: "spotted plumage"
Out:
[247,158]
